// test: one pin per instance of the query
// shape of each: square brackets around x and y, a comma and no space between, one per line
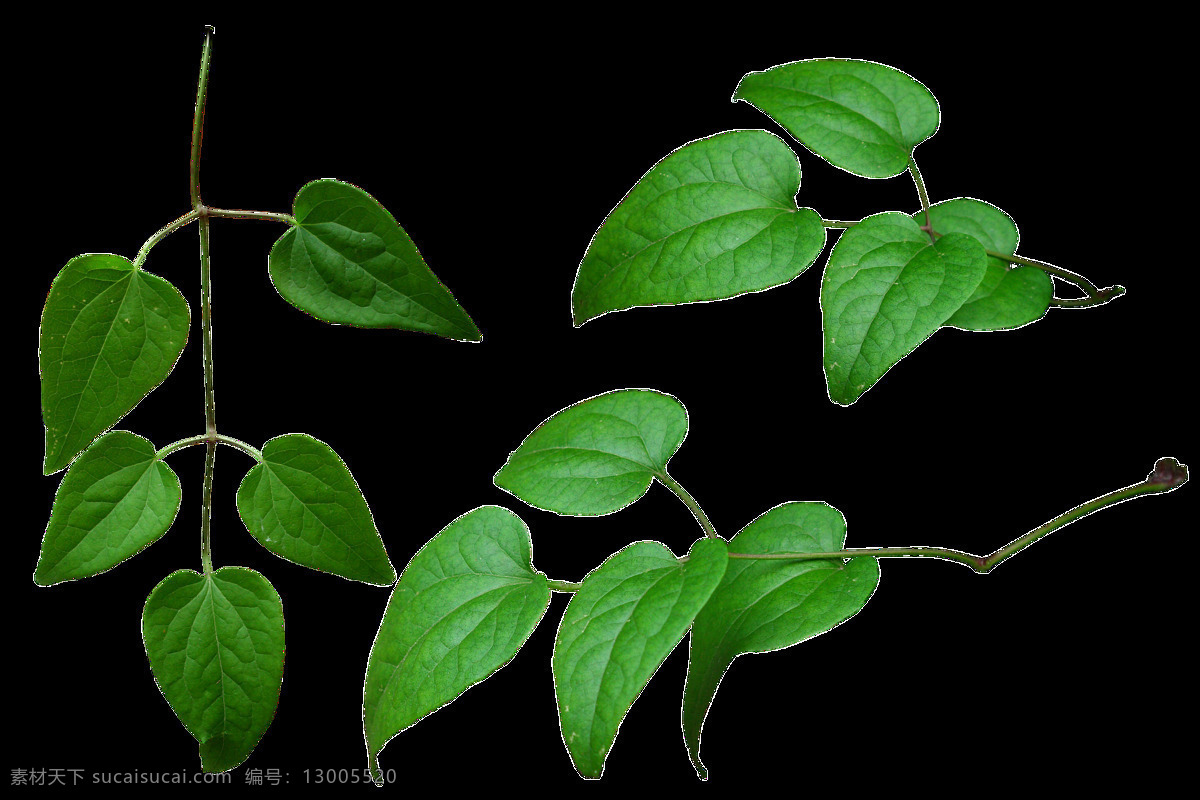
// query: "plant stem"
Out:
[565,587]
[198,118]
[922,193]
[837,223]
[1099,299]
[1058,272]
[233,213]
[203,438]
[690,502]
[210,404]
[1168,474]
[162,233]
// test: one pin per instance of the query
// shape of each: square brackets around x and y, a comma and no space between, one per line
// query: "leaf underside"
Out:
[115,500]
[462,609]
[863,117]
[348,261]
[596,456]
[215,644]
[714,219]
[1007,297]
[622,623]
[886,289]
[303,505]
[110,334]
[769,604]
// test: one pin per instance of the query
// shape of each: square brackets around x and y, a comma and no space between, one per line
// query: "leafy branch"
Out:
[718,218]
[111,333]
[471,597]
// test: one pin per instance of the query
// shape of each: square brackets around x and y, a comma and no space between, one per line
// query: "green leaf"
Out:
[110,334]
[617,630]
[348,261]
[887,288]
[215,644]
[863,117]
[115,500]
[303,505]
[1007,297]
[463,607]
[715,219]
[596,456]
[769,604]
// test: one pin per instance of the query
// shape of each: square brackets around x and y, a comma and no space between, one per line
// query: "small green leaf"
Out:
[715,219]
[596,456]
[769,604]
[1007,297]
[887,288]
[110,334]
[863,117]
[302,504]
[115,500]
[215,644]
[462,609]
[617,630]
[348,261]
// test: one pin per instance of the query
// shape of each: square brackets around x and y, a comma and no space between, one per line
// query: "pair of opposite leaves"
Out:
[470,598]
[112,332]
[718,218]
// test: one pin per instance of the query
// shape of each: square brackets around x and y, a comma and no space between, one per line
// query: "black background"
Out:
[500,143]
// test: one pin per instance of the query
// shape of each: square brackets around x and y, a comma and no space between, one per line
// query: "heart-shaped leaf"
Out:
[863,117]
[887,288]
[115,500]
[348,261]
[598,455]
[620,626]
[215,644]
[715,219]
[302,504]
[462,609]
[769,604]
[1007,297]
[110,334]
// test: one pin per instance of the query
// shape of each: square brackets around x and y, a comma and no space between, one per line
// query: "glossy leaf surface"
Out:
[462,609]
[1007,297]
[348,261]
[858,115]
[303,505]
[215,644]
[598,455]
[769,604]
[110,333]
[886,289]
[620,626]
[115,500]
[715,219]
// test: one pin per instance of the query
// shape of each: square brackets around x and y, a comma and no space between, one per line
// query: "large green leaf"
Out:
[617,630]
[598,455]
[1007,297]
[463,607]
[887,288]
[348,261]
[215,644]
[302,504]
[110,334]
[858,115]
[769,604]
[715,219]
[115,500]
